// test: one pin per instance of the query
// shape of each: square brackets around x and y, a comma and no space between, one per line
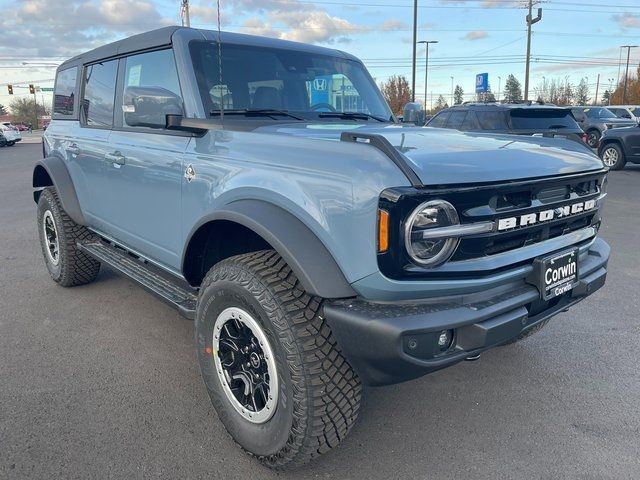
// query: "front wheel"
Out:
[11,144]
[593,137]
[613,156]
[269,361]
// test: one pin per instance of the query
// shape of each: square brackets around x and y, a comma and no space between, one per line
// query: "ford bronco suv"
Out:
[265,189]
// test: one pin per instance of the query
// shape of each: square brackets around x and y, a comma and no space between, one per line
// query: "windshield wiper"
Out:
[351,115]
[255,112]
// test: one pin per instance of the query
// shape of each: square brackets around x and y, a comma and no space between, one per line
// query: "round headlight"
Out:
[428,249]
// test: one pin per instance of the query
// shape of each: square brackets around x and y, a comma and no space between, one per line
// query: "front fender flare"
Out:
[303,251]
[52,171]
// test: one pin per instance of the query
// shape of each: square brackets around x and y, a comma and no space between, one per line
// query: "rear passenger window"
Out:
[153,69]
[456,118]
[439,120]
[64,92]
[99,92]
[470,122]
[491,120]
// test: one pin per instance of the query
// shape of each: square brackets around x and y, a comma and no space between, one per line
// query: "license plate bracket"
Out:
[555,274]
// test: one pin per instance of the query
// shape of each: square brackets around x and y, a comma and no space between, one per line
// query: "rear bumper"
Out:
[388,343]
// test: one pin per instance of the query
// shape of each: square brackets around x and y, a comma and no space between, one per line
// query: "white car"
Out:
[632,112]
[9,135]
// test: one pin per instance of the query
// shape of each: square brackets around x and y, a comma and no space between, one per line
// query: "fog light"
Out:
[444,339]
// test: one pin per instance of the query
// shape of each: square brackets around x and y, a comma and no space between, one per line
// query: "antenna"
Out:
[184,13]
[222,89]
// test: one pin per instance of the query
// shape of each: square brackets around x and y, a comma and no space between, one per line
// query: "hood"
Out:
[442,156]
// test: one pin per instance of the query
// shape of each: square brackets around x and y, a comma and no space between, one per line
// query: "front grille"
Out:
[507,201]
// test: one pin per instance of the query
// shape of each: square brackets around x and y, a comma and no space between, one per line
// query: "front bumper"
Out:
[388,343]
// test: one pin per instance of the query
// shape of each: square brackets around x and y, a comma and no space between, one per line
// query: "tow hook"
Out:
[472,358]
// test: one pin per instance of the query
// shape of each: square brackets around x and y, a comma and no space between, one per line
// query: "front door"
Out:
[142,203]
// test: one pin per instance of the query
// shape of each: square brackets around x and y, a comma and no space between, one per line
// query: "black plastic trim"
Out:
[59,175]
[303,251]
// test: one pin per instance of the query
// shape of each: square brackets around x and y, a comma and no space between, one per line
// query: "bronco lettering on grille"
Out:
[545,215]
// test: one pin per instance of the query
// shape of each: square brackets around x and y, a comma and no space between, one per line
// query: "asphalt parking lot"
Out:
[101,381]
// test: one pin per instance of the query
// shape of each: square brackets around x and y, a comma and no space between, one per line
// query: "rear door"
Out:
[145,167]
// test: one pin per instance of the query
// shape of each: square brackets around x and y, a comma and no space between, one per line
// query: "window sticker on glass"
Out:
[134,76]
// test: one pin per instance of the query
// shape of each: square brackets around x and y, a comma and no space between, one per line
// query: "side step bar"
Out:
[173,291]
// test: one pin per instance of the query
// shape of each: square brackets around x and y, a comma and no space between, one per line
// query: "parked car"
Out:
[516,119]
[22,127]
[630,112]
[263,188]
[619,146]
[10,133]
[596,120]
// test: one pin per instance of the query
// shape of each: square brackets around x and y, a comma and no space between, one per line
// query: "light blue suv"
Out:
[265,189]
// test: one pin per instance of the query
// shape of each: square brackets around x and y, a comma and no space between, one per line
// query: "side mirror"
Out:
[149,106]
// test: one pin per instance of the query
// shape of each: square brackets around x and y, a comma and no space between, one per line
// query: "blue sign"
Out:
[482,82]
[321,89]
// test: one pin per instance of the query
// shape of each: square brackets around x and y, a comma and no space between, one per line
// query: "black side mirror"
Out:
[149,106]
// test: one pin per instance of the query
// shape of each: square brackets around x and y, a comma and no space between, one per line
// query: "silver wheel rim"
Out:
[52,242]
[610,157]
[245,365]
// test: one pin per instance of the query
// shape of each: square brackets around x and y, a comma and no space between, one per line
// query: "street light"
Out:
[452,100]
[610,89]
[499,85]
[426,67]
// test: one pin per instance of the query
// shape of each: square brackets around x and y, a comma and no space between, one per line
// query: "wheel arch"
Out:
[52,171]
[251,225]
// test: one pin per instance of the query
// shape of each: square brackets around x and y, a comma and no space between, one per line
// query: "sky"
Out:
[574,40]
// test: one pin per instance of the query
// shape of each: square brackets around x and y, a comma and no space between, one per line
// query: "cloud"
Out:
[627,20]
[392,24]
[476,35]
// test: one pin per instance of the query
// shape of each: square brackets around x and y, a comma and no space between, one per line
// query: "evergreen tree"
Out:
[458,95]
[512,89]
[582,93]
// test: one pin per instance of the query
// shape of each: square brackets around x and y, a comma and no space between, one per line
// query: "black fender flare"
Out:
[303,251]
[52,171]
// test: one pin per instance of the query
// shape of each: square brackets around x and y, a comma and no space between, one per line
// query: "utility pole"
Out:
[610,89]
[184,10]
[595,100]
[530,21]
[626,73]
[415,39]
[426,68]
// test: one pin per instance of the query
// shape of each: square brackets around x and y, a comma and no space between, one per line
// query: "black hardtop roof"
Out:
[163,37]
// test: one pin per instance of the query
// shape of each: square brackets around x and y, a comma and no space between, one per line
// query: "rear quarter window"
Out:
[456,119]
[541,119]
[65,93]
[495,120]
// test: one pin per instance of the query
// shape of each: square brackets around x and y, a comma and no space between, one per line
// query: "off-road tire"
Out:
[528,333]
[74,267]
[319,393]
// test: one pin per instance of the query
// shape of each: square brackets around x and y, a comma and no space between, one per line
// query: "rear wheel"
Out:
[613,156]
[11,144]
[271,366]
[59,235]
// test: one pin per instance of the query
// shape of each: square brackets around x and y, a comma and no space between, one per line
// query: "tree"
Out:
[582,93]
[512,89]
[397,92]
[458,95]
[24,110]
[606,97]
[3,110]
[488,96]
[440,104]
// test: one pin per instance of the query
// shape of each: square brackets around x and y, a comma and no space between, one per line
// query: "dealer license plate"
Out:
[556,274]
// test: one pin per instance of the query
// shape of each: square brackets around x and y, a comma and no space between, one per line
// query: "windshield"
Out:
[541,119]
[599,113]
[307,85]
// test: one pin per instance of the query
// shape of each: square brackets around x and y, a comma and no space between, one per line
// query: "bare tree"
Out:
[24,110]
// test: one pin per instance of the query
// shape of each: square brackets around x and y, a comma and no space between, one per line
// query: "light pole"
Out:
[626,73]
[544,87]
[499,85]
[415,38]
[452,100]
[426,67]
[610,89]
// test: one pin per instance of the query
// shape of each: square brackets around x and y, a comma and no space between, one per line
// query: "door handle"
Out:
[115,157]
[73,149]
